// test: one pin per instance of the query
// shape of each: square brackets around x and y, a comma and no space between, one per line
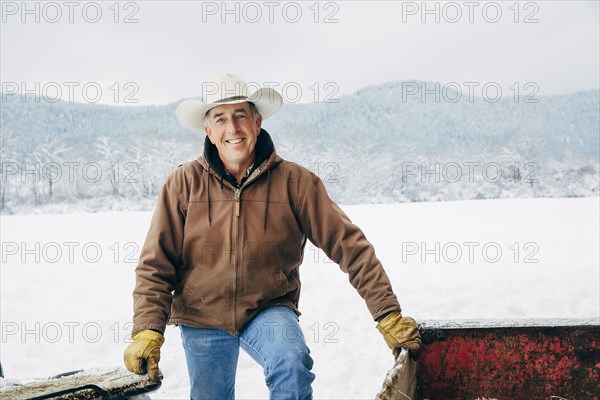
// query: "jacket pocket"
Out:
[203,287]
[263,284]
[278,287]
[282,283]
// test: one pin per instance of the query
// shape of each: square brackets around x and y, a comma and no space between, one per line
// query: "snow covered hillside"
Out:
[66,283]
[58,156]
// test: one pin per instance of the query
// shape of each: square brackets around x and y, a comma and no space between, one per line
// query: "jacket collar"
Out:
[262,152]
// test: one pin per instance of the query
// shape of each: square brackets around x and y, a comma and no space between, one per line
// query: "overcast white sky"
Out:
[174,46]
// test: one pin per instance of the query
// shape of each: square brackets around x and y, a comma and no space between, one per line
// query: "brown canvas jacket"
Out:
[215,255]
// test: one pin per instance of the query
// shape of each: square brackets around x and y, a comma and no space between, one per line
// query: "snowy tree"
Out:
[9,163]
[48,156]
[111,155]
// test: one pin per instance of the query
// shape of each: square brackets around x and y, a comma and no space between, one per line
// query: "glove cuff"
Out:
[385,326]
[150,335]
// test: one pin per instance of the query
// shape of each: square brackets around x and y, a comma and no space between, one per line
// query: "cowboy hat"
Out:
[226,89]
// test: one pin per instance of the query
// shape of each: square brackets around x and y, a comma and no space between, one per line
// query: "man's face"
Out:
[234,130]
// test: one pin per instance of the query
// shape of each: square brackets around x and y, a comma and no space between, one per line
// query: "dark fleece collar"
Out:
[264,148]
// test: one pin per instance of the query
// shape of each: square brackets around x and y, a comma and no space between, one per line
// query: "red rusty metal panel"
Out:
[536,361]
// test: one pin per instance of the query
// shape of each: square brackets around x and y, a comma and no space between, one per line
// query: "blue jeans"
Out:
[273,339]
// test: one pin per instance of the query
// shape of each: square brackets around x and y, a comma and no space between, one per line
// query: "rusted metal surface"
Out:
[96,383]
[544,359]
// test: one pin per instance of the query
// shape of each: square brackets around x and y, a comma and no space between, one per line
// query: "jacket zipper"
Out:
[237,201]
[238,192]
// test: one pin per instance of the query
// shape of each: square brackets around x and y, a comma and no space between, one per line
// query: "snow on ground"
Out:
[66,283]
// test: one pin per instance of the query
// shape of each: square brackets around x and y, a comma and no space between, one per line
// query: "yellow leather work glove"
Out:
[143,353]
[400,332]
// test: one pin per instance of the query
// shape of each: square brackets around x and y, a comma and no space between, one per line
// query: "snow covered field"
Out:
[66,283]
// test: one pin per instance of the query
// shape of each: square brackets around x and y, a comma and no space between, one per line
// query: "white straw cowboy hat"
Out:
[227,89]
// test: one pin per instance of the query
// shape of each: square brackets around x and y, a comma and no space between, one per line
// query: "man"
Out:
[222,254]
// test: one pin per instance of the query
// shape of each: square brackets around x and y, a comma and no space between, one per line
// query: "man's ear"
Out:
[209,133]
[258,122]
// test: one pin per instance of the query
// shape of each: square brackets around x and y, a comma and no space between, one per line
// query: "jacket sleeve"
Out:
[329,228]
[156,272]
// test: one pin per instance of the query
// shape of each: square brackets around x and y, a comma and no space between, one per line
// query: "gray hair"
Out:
[252,106]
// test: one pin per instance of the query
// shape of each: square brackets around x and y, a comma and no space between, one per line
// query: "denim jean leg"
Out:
[212,356]
[274,340]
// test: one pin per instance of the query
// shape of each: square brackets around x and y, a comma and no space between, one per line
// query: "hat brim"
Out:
[190,113]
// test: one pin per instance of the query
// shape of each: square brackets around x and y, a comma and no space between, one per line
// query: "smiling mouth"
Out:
[235,141]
